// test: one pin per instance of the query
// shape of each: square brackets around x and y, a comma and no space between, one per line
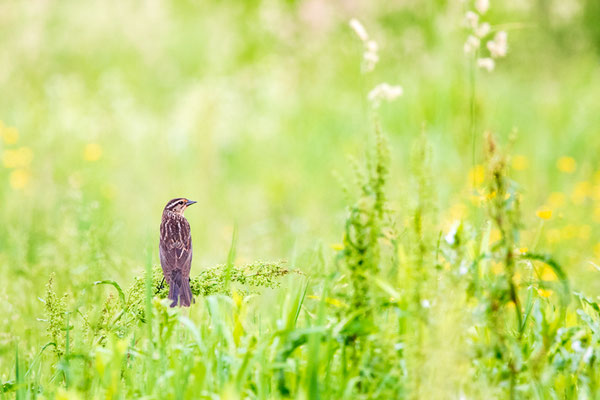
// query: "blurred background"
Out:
[111,108]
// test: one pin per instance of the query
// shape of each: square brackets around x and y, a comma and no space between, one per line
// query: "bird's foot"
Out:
[160,287]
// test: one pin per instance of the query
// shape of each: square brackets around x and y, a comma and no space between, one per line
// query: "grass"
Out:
[456,255]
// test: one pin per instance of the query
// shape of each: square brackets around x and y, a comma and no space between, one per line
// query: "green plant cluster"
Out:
[122,312]
[458,265]
[361,334]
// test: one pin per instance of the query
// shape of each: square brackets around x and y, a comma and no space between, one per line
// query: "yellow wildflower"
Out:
[477,175]
[517,278]
[596,192]
[9,135]
[548,274]
[19,178]
[544,213]
[523,250]
[337,246]
[17,158]
[545,293]
[520,163]
[495,235]
[335,302]
[497,267]
[92,152]
[566,164]
[597,250]
[329,300]
[581,191]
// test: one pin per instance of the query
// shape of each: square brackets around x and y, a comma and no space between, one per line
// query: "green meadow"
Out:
[396,199]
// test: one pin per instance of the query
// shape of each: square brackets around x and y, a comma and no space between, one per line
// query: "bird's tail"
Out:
[179,290]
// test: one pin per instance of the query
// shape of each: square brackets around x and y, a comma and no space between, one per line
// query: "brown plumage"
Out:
[175,250]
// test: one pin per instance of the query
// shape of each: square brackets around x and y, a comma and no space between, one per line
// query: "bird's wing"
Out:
[176,247]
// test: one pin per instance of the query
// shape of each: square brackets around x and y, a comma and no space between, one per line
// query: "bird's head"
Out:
[178,205]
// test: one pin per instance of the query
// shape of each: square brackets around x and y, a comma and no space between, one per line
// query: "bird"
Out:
[175,250]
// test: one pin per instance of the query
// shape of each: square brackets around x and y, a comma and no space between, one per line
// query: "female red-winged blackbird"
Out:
[176,251]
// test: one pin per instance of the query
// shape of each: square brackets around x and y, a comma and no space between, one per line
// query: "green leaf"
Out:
[558,270]
[116,285]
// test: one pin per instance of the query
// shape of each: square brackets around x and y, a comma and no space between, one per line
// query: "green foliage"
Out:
[364,227]
[462,272]
[119,315]
[56,310]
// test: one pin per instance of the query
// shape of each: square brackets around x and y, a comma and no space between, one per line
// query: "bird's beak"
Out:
[190,202]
